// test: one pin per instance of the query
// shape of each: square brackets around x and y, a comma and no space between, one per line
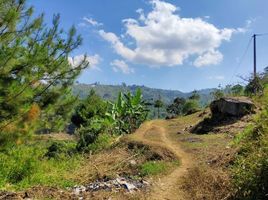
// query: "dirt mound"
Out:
[152,152]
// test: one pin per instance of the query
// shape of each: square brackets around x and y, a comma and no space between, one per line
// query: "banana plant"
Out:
[128,112]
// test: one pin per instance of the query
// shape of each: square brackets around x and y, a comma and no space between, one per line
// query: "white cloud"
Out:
[92,21]
[163,38]
[93,60]
[209,58]
[218,77]
[120,65]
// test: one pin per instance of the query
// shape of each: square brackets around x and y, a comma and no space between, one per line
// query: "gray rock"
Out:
[236,107]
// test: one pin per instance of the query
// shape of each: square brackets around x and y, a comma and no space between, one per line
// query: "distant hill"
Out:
[110,92]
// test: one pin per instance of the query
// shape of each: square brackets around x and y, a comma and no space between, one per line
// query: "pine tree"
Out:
[34,67]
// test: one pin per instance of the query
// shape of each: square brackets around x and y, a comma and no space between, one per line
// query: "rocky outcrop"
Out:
[231,106]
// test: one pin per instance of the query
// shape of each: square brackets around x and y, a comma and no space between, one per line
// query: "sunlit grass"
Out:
[25,166]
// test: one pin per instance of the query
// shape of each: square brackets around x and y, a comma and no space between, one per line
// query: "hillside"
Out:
[110,92]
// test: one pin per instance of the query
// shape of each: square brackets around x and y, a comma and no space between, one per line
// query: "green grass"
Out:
[26,165]
[104,141]
[153,168]
[250,168]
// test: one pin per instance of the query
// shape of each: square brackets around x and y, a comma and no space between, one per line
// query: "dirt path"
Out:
[155,132]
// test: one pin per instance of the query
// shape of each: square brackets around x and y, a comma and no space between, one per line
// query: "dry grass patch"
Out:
[207,183]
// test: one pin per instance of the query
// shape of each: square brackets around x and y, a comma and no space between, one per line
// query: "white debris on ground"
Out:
[128,184]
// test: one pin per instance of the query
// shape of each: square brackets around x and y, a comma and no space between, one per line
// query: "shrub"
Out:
[176,107]
[255,86]
[87,136]
[190,107]
[91,108]
[60,149]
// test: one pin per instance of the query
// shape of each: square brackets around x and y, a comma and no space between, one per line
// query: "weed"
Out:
[152,168]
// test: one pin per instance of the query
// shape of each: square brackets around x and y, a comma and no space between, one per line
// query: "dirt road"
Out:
[169,187]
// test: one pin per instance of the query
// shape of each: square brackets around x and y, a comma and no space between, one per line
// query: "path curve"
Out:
[169,186]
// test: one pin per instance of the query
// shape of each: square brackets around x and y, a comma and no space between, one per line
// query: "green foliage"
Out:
[176,107]
[195,96]
[180,106]
[250,170]
[237,90]
[93,107]
[25,166]
[158,104]
[34,66]
[89,134]
[104,141]
[60,150]
[218,93]
[128,113]
[153,168]
[254,87]
[190,107]
[96,119]
[57,114]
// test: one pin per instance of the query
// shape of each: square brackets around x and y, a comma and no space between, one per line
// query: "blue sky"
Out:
[182,45]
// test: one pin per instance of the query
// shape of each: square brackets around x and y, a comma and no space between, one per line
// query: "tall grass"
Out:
[250,170]
[27,165]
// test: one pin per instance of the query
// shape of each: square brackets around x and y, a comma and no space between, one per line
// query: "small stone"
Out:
[133,162]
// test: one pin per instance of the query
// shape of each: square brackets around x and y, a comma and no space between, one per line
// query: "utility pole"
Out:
[254,54]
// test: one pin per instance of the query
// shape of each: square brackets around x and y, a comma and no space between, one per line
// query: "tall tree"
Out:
[158,104]
[34,67]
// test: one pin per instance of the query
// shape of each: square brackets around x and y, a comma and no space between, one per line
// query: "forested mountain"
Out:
[110,92]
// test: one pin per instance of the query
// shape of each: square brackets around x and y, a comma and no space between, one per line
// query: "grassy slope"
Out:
[250,169]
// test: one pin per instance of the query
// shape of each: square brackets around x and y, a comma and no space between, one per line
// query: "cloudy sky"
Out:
[171,44]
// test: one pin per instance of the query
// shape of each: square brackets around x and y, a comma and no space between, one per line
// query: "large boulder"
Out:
[232,106]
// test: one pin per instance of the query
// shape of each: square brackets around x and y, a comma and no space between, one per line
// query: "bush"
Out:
[255,86]
[60,150]
[176,107]
[190,107]
[91,108]
[88,135]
